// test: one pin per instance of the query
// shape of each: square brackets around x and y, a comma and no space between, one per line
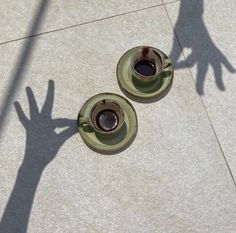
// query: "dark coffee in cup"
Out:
[145,68]
[106,117]
[147,64]
[107,120]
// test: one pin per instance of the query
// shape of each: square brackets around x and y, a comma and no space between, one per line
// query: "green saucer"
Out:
[109,144]
[143,92]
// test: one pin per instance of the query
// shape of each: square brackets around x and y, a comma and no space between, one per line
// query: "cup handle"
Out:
[84,121]
[166,64]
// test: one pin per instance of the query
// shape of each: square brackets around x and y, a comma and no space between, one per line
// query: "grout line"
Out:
[217,139]
[88,22]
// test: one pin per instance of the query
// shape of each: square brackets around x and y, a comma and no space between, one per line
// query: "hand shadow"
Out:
[192,33]
[42,145]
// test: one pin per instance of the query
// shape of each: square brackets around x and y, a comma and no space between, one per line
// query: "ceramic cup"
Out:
[147,64]
[106,117]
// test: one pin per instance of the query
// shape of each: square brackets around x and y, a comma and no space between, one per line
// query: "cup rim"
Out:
[120,118]
[148,77]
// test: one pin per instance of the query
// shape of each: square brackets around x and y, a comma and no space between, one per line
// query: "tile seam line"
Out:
[85,23]
[217,139]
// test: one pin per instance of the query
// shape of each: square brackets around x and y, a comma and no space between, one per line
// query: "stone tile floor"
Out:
[179,173]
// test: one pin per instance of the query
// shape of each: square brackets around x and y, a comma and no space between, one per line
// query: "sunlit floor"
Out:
[179,173]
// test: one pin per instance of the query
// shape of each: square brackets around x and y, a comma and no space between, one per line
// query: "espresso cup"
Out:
[106,117]
[147,64]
